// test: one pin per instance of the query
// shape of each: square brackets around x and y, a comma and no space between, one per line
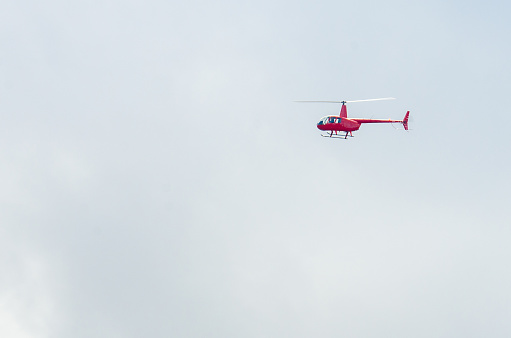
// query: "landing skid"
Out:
[337,136]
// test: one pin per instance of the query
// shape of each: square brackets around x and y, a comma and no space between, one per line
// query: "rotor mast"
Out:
[344,110]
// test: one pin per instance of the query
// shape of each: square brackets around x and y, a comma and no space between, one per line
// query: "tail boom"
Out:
[404,121]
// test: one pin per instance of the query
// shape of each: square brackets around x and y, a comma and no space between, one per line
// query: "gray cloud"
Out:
[157,178]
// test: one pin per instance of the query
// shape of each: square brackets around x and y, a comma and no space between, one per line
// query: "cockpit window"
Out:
[332,119]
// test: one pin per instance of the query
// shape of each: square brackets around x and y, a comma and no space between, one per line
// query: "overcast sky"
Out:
[157,179]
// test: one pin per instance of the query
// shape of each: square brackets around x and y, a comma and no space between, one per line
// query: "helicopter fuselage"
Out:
[337,123]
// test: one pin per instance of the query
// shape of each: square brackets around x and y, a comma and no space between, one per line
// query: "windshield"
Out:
[329,119]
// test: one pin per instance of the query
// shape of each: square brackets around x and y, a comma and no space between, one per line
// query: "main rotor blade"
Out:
[385,98]
[320,101]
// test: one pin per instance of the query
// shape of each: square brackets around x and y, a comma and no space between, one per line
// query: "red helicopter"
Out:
[342,123]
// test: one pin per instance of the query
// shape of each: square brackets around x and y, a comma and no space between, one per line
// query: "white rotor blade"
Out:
[385,98]
[321,101]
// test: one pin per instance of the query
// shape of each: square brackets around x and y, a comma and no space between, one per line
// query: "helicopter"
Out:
[334,124]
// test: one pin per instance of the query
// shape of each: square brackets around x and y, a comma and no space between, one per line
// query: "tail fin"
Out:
[405,120]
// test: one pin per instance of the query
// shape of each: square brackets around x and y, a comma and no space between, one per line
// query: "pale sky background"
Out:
[157,179]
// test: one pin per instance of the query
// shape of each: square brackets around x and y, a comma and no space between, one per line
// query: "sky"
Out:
[157,178]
